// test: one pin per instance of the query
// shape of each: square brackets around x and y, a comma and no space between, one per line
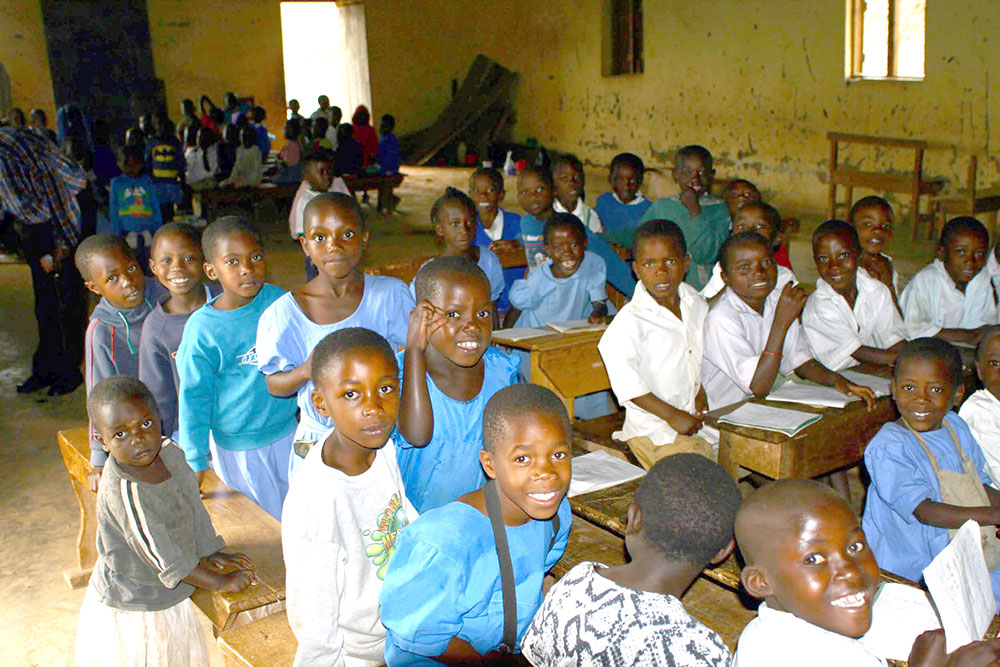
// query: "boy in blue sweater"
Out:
[623,207]
[224,403]
[110,271]
[135,206]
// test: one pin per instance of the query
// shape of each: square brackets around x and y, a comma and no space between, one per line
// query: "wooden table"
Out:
[568,364]
[242,524]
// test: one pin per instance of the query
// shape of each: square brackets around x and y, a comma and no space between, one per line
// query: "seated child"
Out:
[263,138]
[449,372]
[497,229]
[248,169]
[135,207]
[740,192]
[680,523]
[177,264]
[759,218]
[851,317]
[350,158]
[952,298]
[753,332]
[621,209]
[165,163]
[449,560]
[927,470]
[389,153]
[568,177]
[872,218]
[290,155]
[225,151]
[317,177]
[340,296]
[808,560]
[155,542]
[319,140]
[110,271]
[203,161]
[345,505]
[662,327]
[981,410]
[535,193]
[703,218]
[224,403]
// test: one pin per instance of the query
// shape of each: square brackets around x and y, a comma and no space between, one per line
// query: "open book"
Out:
[770,418]
[575,326]
[600,470]
[520,333]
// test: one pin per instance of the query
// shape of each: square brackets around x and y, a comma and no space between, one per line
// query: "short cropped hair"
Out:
[740,181]
[132,152]
[515,401]
[659,228]
[963,225]
[492,173]
[259,114]
[989,334]
[340,200]
[343,341]
[563,221]
[842,229]
[739,240]
[117,388]
[570,159]
[189,232]
[95,245]
[223,227]
[628,159]
[543,173]
[688,506]
[452,196]
[931,348]
[389,121]
[428,281]
[320,155]
[770,214]
[870,201]
[694,150]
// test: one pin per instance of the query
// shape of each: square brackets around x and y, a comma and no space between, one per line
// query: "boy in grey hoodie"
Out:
[112,343]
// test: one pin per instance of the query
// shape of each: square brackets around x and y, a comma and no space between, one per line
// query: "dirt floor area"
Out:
[38,512]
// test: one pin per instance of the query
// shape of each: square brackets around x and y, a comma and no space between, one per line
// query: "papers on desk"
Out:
[576,326]
[960,585]
[810,394]
[600,470]
[900,614]
[880,385]
[770,418]
[520,333]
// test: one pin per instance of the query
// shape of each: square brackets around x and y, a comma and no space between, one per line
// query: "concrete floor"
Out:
[38,511]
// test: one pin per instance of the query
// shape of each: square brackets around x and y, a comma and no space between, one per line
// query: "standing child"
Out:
[662,327]
[110,271]
[166,164]
[177,263]
[569,179]
[927,470]
[703,218]
[248,169]
[851,318]
[981,410]
[155,542]
[752,332]
[449,371]
[290,155]
[443,598]
[389,153]
[135,207]
[680,523]
[339,297]
[952,298]
[621,209]
[345,506]
[872,218]
[496,228]
[224,403]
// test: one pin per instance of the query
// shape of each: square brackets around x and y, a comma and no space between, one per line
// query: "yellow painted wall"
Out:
[759,83]
[24,56]
[214,47]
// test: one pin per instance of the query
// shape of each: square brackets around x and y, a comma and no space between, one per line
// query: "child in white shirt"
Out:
[851,317]
[981,410]
[662,327]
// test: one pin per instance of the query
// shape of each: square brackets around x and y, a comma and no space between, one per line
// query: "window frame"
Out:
[612,62]
[855,46]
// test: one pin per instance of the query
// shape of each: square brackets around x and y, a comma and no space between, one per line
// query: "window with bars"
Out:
[623,37]
[887,39]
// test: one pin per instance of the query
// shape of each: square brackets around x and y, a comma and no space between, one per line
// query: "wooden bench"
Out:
[268,642]
[243,525]
[286,192]
[913,183]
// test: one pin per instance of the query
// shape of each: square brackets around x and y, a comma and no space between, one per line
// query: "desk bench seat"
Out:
[268,642]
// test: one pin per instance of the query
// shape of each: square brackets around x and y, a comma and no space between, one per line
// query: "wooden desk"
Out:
[568,364]
[242,524]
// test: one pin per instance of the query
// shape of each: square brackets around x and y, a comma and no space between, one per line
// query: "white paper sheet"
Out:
[900,614]
[880,385]
[771,418]
[960,585]
[810,394]
[600,470]
[520,333]
[574,326]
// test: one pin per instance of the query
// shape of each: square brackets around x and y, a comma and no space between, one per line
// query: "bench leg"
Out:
[86,541]
[726,457]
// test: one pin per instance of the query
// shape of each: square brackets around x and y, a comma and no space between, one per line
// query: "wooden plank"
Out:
[269,641]
[588,542]
[846,137]
[882,181]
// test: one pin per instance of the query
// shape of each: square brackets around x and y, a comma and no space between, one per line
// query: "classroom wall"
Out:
[24,56]
[759,83]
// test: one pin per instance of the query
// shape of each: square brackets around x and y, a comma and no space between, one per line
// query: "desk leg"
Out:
[541,378]
[86,541]
[726,459]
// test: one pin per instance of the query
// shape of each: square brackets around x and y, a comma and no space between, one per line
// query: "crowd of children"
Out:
[421,480]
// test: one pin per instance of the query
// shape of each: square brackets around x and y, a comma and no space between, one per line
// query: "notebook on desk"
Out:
[576,326]
[770,418]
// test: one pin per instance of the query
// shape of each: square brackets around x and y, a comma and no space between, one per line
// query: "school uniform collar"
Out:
[638,199]
[643,301]
[863,281]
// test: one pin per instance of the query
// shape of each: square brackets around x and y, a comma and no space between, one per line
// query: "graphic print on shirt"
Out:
[135,203]
[390,521]
[248,358]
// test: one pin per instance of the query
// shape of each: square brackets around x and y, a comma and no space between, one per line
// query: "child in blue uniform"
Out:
[340,296]
[442,600]
[497,229]
[224,404]
[449,373]
[621,209]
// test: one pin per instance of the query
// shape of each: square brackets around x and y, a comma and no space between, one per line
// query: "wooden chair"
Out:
[967,201]
[912,183]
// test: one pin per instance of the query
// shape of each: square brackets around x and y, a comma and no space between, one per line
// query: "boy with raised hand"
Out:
[680,523]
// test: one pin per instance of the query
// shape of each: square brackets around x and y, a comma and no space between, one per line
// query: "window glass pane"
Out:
[875,44]
[910,38]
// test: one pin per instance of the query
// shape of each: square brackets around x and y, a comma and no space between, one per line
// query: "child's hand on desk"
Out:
[425,319]
[228,562]
[505,246]
[94,477]
[600,314]
[686,423]
[790,305]
[236,581]
[864,393]
[929,651]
